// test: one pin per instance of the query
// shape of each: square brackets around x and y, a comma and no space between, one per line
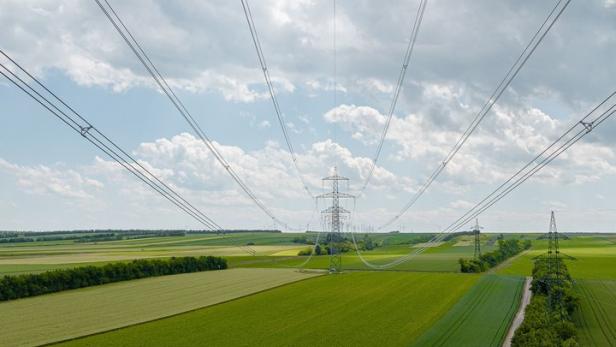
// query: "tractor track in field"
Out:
[599,314]
[511,314]
[485,290]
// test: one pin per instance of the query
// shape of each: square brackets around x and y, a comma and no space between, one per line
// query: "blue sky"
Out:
[50,178]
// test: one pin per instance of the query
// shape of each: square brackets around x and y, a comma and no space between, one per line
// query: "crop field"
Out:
[264,300]
[69,314]
[272,250]
[366,309]
[596,320]
[595,258]
[481,318]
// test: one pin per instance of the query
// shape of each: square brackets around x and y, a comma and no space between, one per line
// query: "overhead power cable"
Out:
[513,71]
[571,136]
[270,87]
[44,96]
[575,133]
[140,53]
[397,90]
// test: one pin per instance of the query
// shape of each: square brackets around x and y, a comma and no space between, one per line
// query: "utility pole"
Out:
[476,233]
[334,215]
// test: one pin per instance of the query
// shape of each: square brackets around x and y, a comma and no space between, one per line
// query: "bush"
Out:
[548,317]
[506,249]
[21,286]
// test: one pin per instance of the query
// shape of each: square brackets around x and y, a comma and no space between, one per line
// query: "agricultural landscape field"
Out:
[426,298]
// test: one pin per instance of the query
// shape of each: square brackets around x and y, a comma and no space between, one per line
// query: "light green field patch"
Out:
[481,318]
[120,254]
[428,244]
[596,318]
[69,314]
[349,309]
[589,262]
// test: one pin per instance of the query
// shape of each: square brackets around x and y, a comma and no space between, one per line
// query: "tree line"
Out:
[506,249]
[548,318]
[341,244]
[21,286]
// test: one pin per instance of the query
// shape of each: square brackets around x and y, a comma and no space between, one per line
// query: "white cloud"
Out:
[41,179]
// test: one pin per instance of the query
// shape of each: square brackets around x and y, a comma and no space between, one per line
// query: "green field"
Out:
[481,318]
[424,301]
[69,314]
[595,257]
[273,250]
[352,309]
[596,319]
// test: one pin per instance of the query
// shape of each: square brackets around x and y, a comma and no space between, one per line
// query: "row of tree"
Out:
[341,243]
[21,286]
[10,237]
[548,318]
[506,249]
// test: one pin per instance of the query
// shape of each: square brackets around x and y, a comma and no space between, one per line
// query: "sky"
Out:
[50,178]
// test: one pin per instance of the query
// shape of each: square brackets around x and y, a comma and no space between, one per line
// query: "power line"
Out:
[513,71]
[576,132]
[137,49]
[81,125]
[584,127]
[394,101]
[270,86]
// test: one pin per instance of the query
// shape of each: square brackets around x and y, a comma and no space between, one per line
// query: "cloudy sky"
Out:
[50,178]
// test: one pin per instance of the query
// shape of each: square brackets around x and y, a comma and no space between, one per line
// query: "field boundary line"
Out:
[519,317]
[177,314]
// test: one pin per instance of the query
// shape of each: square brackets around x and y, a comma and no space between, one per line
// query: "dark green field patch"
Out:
[596,319]
[481,318]
[349,309]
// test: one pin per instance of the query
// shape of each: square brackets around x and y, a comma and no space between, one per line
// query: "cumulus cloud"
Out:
[41,179]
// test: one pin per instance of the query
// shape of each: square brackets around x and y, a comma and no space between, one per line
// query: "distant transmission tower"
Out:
[553,248]
[476,233]
[553,262]
[334,215]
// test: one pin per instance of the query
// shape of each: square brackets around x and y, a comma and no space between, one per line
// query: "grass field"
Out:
[350,309]
[273,250]
[55,317]
[481,318]
[596,319]
[595,258]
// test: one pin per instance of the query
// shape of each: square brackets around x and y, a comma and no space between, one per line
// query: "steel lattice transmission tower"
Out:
[553,263]
[335,215]
[476,233]
[553,248]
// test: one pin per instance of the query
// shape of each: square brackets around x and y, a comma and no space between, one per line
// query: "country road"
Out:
[519,317]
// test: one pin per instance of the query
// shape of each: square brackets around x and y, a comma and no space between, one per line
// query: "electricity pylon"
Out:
[334,215]
[553,265]
[476,233]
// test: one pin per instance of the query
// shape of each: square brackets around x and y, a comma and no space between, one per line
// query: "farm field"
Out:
[596,320]
[481,318]
[595,257]
[399,306]
[35,321]
[272,250]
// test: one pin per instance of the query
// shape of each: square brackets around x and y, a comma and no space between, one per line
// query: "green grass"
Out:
[596,319]
[481,318]
[350,309]
[595,261]
[74,313]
